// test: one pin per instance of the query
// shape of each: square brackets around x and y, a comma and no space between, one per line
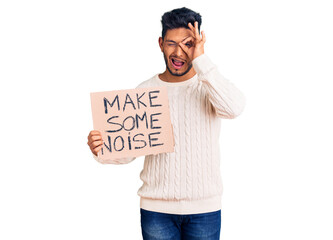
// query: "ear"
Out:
[160,43]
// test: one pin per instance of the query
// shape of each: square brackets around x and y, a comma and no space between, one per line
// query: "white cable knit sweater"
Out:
[188,180]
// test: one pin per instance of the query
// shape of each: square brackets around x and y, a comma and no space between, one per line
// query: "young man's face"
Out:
[173,52]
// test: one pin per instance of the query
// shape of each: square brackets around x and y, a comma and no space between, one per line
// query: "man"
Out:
[181,193]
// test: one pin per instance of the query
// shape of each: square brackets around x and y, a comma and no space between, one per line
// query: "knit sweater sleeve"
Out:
[227,100]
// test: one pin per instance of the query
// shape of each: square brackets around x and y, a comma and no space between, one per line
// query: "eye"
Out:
[189,44]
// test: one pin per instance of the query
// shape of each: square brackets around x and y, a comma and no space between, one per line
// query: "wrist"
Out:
[197,55]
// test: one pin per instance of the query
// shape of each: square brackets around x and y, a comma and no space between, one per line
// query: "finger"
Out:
[94,133]
[95,138]
[92,148]
[190,26]
[203,36]
[91,139]
[192,29]
[188,38]
[184,48]
[196,29]
[96,144]
[96,150]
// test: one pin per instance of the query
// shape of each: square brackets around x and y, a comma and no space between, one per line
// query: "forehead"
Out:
[177,34]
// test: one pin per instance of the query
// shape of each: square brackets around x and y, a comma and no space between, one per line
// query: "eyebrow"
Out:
[175,42]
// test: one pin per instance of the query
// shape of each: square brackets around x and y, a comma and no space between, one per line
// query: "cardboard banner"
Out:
[133,122]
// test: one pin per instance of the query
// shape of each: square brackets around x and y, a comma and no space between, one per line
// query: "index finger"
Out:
[186,39]
[94,132]
[182,45]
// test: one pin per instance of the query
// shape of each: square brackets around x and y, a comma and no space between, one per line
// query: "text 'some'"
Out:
[133,122]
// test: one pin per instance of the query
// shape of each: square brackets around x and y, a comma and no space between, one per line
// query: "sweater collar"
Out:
[176,84]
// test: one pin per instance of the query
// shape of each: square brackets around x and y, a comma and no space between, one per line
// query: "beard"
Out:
[176,74]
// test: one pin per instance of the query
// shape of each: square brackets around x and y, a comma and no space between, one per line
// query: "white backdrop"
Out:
[276,159]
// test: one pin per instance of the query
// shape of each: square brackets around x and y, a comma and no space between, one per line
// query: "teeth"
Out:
[177,61]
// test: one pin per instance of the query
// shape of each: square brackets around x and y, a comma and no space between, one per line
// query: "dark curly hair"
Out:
[179,18]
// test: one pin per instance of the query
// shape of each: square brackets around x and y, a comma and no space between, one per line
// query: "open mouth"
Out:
[178,64]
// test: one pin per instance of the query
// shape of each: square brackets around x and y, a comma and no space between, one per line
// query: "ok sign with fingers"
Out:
[197,41]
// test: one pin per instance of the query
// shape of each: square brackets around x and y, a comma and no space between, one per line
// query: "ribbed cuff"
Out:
[98,159]
[116,161]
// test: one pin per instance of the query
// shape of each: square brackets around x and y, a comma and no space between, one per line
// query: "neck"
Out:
[168,77]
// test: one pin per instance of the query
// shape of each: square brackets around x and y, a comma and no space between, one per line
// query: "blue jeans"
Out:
[158,226]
